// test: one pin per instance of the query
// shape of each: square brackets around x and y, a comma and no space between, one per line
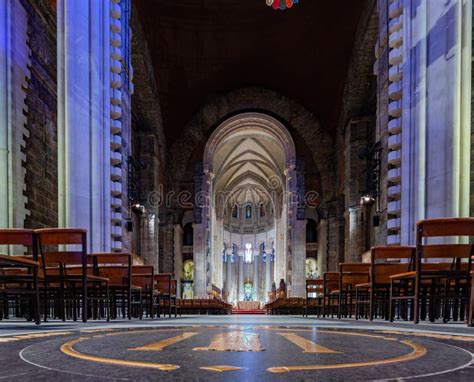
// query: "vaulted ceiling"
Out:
[248,168]
[202,48]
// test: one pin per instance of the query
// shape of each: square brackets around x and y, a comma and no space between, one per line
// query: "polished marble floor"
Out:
[235,348]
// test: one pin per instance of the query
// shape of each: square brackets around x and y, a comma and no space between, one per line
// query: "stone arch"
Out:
[291,115]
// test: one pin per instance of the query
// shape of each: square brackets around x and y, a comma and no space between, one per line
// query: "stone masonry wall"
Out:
[41,145]
[472,128]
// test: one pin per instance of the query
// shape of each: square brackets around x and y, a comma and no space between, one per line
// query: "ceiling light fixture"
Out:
[281,4]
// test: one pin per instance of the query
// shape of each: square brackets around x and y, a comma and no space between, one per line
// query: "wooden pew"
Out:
[68,278]
[19,275]
[384,262]
[441,276]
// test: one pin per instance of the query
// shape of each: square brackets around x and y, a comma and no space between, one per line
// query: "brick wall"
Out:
[41,145]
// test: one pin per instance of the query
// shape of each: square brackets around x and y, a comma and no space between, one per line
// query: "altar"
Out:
[248,305]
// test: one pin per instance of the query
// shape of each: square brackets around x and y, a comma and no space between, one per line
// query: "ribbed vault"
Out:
[248,156]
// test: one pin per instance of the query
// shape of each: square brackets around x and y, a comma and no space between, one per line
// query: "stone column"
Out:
[356,232]
[14,74]
[355,183]
[290,223]
[228,276]
[435,112]
[240,285]
[84,115]
[268,270]
[322,246]
[280,248]
[199,250]
[299,257]
[178,256]
[256,259]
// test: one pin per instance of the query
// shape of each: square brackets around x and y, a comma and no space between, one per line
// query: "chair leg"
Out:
[390,305]
[470,304]
[37,297]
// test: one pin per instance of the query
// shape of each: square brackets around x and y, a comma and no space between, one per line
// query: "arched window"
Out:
[235,213]
[311,266]
[188,234]
[248,212]
[311,231]
[262,211]
[248,253]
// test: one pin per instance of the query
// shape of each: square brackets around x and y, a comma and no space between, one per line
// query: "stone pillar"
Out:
[178,256]
[268,270]
[435,120]
[240,285]
[299,258]
[199,250]
[280,249]
[356,140]
[255,277]
[356,231]
[14,74]
[322,246]
[84,115]
[228,276]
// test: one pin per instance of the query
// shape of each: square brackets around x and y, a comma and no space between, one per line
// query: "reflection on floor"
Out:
[235,348]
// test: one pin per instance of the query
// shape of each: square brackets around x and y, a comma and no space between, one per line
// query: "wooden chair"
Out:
[331,293]
[117,267]
[165,293]
[314,296]
[470,314]
[350,274]
[67,279]
[384,262]
[143,276]
[439,283]
[19,275]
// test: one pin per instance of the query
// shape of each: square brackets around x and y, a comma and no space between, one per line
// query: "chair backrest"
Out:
[445,227]
[163,283]
[445,253]
[116,266]
[388,261]
[62,259]
[392,253]
[331,282]
[143,276]
[314,287]
[21,237]
[353,273]
[16,237]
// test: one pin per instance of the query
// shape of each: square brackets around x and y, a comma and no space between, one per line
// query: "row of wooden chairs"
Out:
[285,305]
[204,306]
[58,277]
[427,281]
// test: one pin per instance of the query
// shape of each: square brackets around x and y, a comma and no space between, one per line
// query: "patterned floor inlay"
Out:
[236,353]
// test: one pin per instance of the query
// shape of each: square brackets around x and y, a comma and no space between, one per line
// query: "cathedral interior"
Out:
[236,190]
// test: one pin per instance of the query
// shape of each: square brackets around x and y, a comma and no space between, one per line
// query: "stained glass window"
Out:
[248,253]
[248,212]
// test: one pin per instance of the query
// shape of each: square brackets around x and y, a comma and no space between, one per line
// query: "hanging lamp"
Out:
[281,4]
